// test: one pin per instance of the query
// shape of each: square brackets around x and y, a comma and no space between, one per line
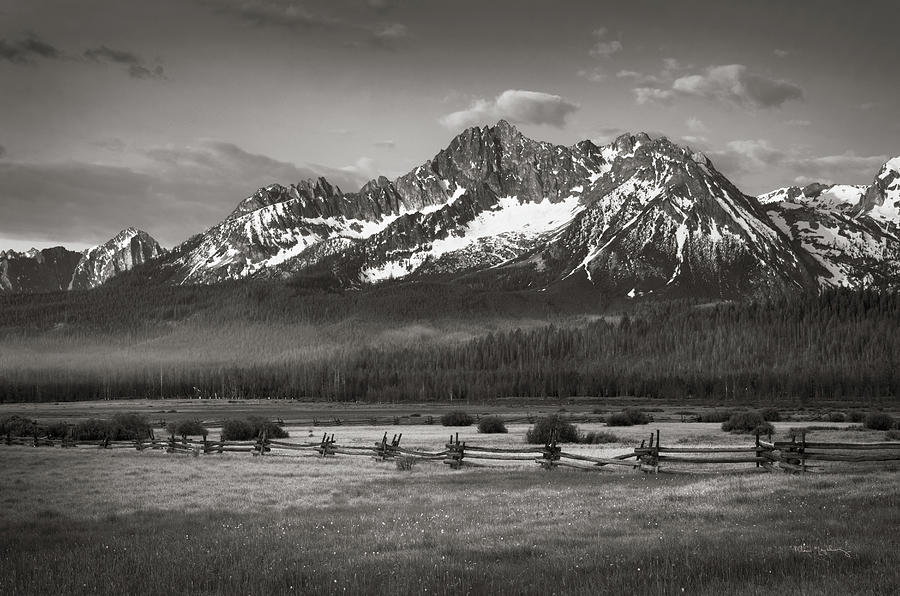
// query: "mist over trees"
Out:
[839,344]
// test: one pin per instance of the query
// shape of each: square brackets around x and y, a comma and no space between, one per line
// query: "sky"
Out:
[163,115]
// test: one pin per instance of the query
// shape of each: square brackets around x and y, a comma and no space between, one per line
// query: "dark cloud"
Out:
[137,67]
[25,50]
[178,192]
[515,105]
[760,156]
[735,83]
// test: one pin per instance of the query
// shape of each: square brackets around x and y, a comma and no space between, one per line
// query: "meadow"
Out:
[83,521]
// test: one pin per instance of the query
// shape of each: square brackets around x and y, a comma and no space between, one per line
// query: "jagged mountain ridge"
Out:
[58,269]
[849,231]
[122,252]
[639,216]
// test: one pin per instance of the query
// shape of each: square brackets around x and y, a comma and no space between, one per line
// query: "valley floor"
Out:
[82,521]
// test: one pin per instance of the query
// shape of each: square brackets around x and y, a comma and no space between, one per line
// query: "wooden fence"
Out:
[789,456]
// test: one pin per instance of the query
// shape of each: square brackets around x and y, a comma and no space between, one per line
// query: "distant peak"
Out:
[505,127]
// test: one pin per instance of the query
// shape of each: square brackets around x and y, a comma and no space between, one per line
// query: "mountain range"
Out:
[56,269]
[637,217]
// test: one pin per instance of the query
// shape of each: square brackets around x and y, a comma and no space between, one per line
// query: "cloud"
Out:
[759,156]
[280,13]
[364,168]
[780,53]
[735,83]
[645,95]
[390,36]
[696,124]
[26,49]
[602,47]
[517,106]
[136,67]
[844,168]
[176,191]
[795,122]
[594,75]
[386,144]
[2,151]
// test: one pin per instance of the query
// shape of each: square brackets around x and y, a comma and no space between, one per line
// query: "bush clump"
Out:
[17,426]
[187,428]
[539,434]
[237,429]
[715,416]
[857,416]
[130,426]
[491,424]
[272,429]
[879,421]
[57,430]
[599,438]
[94,429]
[628,417]
[836,416]
[771,414]
[457,418]
[892,435]
[748,422]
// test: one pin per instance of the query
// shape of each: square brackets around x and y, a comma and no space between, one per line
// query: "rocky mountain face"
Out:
[37,271]
[55,269]
[849,234]
[637,217]
[123,252]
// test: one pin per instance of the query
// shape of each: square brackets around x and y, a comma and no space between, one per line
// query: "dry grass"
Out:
[78,521]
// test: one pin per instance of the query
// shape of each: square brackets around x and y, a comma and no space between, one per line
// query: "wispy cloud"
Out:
[175,192]
[517,106]
[603,47]
[136,67]
[26,49]
[645,95]
[736,84]
[386,144]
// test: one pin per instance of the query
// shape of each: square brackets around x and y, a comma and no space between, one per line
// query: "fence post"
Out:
[550,459]
[757,451]
[456,451]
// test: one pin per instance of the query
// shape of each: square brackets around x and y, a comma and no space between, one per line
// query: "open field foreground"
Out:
[101,521]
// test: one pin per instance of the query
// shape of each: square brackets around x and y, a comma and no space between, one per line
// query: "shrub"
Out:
[237,429]
[405,463]
[892,435]
[94,429]
[17,426]
[857,416]
[57,430]
[715,416]
[879,421]
[599,437]
[748,422]
[272,429]
[770,414]
[129,426]
[539,434]
[491,424]
[628,417]
[456,418]
[836,416]
[187,428]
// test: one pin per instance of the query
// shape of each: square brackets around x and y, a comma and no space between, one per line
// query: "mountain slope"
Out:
[848,232]
[36,271]
[124,251]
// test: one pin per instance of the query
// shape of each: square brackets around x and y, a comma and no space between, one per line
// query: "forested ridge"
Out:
[830,346]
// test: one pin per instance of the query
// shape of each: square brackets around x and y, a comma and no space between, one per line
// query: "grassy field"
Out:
[95,521]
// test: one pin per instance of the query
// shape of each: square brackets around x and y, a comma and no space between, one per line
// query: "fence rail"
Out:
[790,456]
